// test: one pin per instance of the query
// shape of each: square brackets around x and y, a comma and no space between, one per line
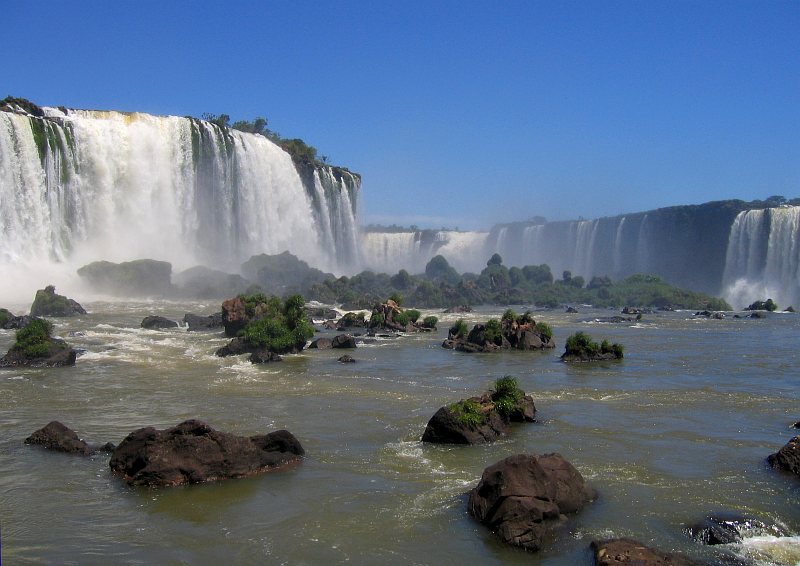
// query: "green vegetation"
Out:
[544,329]
[34,338]
[468,412]
[397,298]
[430,322]
[459,329]
[279,328]
[413,315]
[506,394]
[5,316]
[377,320]
[580,343]
[441,287]
[493,331]
[768,305]
[401,318]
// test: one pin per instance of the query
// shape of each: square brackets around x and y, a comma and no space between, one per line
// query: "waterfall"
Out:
[78,186]
[388,252]
[763,257]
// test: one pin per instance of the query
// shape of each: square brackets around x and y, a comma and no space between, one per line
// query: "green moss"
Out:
[459,329]
[34,338]
[506,394]
[544,329]
[468,412]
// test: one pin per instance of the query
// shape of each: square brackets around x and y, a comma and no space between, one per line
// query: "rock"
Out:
[612,319]
[571,310]
[581,348]
[627,551]
[458,309]
[193,452]
[48,303]
[758,314]
[347,359]
[282,274]
[139,278]
[234,316]
[351,320]
[510,334]
[235,347]
[35,347]
[199,323]
[343,341]
[265,356]
[796,425]
[522,496]
[158,323]
[710,314]
[727,529]
[788,457]
[205,283]
[321,344]
[10,322]
[56,436]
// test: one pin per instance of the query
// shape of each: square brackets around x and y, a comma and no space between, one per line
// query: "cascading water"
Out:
[388,252]
[79,186]
[763,257]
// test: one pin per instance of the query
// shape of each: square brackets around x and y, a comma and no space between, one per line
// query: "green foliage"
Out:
[430,322]
[5,316]
[459,329]
[509,316]
[401,318]
[496,259]
[299,150]
[544,329]
[397,298]
[279,327]
[768,305]
[413,315]
[377,320]
[506,394]
[580,342]
[439,269]
[468,412]
[221,120]
[402,280]
[493,331]
[34,338]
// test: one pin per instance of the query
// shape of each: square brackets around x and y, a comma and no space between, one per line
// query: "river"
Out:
[677,430]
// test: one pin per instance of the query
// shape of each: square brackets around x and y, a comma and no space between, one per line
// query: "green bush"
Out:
[397,298]
[506,394]
[468,412]
[581,342]
[34,338]
[283,328]
[459,329]
[377,320]
[430,322]
[509,316]
[544,329]
[401,318]
[413,314]
[493,332]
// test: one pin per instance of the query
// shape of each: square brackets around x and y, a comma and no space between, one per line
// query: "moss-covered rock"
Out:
[35,347]
[48,303]
[581,348]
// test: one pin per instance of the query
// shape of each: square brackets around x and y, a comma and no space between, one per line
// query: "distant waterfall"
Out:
[388,252]
[78,186]
[763,257]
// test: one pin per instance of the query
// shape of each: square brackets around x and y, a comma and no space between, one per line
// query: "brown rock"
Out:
[628,551]
[58,437]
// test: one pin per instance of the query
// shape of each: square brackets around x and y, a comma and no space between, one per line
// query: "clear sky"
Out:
[458,113]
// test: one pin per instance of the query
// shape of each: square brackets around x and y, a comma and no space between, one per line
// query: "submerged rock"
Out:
[728,529]
[158,323]
[199,323]
[788,457]
[613,552]
[193,452]
[264,356]
[58,437]
[347,359]
[521,497]
[321,344]
[343,341]
[48,303]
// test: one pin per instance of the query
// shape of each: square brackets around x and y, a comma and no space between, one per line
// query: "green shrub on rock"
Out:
[34,338]
[459,329]
[468,412]
[506,394]
[430,322]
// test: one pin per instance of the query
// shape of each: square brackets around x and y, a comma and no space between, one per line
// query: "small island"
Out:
[511,332]
[581,348]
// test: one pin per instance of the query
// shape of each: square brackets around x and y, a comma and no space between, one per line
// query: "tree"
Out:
[439,268]
[496,259]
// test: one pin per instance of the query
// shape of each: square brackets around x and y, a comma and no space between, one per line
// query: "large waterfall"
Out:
[763,259]
[388,252]
[78,186]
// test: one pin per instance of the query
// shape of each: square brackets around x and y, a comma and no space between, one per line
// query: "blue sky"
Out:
[456,113]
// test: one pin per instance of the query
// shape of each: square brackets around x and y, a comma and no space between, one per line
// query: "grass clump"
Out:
[468,412]
[413,315]
[581,344]
[459,329]
[493,332]
[430,322]
[544,329]
[34,338]
[506,394]
[283,328]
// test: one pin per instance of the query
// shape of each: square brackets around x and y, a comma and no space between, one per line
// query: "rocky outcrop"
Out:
[343,341]
[197,323]
[521,497]
[481,419]
[728,528]
[788,457]
[351,320]
[58,437]
[35,347]
[158,323]
[48,303]
[234,316]
[205,283]
[10,322]
[613,552]
[321,344]
[139,278]
[457,309]
[347,359]
[581,348]
[193,452]
[521,333]
[235,347]
[264,356]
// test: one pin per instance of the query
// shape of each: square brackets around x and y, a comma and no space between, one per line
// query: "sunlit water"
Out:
[678,430]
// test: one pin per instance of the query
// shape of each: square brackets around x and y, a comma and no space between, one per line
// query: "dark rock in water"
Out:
[351,320]
[522,496]
[520,334]
[329,325]
[636,311]
[347,359]
[796,425]
[321,313]
[758,314]
[10,322]
[478,419]
[48,303]
[571,310]
[612,319]
[715,530]
[321,344]
[139,278]
[205,283]
[788,457]
[193,452]
[264,356]
[343,341]
[158,323]
[458,309]
[234,316]
[107,447]
[56,436]
[581,348]
[199,323]
[626,551]
[711,314]
[35,347]
[235,347]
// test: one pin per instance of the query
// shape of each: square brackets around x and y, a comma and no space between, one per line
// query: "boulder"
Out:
[205,283]
[788,457]
[235,347]
[199,323]
[343,341]
[521,333]
[158,323]
[35,347]
[264,356]
[727,529]
[351,320]
[322,344]
[630,552]
[571,310]
[193,452]
[234,316]
[347,359]
[522,496]
[138,278]
[48,303]
[56,436]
